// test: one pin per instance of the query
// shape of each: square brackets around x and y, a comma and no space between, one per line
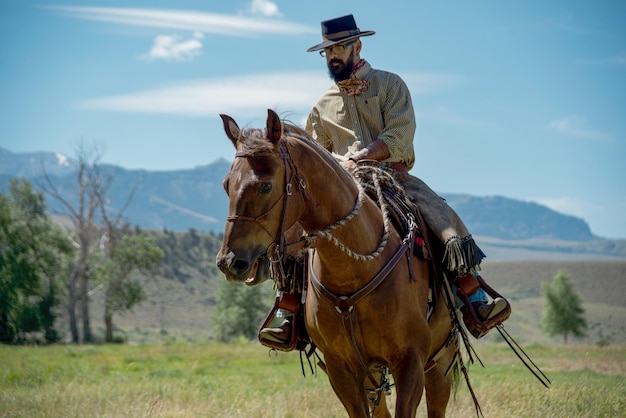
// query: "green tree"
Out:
[240,310]
[563,313]
[131,253]
[33,255]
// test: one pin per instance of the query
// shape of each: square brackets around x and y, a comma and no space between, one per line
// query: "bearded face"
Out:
[339,69]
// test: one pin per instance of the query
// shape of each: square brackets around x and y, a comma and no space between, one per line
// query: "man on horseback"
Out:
[367,114]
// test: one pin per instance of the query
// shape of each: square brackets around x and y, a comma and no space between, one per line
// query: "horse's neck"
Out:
[335,263]
[333,195]
[331,191]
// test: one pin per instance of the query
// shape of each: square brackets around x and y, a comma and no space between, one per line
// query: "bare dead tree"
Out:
[90,185]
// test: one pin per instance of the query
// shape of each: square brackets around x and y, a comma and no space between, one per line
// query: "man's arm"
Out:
[399,121]
[316,131]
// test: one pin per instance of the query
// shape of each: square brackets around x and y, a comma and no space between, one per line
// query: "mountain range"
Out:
[194,198]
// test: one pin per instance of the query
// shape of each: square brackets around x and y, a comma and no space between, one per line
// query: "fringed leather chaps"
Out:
[462,254]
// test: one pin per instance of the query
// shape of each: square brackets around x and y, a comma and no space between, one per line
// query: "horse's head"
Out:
[258,189]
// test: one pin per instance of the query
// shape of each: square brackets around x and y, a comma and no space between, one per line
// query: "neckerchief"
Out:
[354,86]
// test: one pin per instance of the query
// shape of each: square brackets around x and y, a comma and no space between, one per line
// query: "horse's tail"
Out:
[454,371]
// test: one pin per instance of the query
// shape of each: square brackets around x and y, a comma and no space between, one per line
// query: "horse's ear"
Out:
[274,126]
[232,130]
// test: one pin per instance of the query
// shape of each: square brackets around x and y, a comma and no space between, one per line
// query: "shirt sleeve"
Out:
[399,121]
[315,129]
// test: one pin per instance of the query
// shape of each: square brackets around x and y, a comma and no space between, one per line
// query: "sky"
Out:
[521,99]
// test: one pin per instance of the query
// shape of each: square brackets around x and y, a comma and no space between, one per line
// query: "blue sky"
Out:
[522,99]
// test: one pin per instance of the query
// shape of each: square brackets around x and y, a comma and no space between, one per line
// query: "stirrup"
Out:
[477,326]
[289,303]
[279,334]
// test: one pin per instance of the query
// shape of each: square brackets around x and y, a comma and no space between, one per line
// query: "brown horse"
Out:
[281,177]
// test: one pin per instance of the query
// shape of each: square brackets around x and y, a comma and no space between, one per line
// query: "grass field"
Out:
[245,380]
[170,368]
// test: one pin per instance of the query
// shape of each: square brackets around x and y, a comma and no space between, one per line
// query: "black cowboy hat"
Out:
[339,30]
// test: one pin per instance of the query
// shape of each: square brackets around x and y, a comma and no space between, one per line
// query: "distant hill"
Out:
[175,200]
[29,164]
[183,199]
[505,218]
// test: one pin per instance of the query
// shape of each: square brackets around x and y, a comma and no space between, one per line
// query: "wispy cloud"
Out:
[575,126]
[263,8]
[174,48]
[293,92]
[194,21]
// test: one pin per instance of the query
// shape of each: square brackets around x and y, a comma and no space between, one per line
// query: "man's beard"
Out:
[343,71]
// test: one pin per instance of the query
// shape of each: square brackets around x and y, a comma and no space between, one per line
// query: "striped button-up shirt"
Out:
[346,124]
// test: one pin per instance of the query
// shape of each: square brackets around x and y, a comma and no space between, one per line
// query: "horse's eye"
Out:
[265,188]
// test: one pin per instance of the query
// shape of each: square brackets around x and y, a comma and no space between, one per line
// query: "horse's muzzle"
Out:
[233,267]
[240,269]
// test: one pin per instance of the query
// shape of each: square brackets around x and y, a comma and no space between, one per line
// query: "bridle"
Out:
[309,240]
[278,248]
[257,218]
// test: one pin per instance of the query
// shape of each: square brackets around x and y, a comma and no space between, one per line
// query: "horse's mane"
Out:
[254,141]
[294,131]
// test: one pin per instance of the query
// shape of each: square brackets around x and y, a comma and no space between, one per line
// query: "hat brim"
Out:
[330,42]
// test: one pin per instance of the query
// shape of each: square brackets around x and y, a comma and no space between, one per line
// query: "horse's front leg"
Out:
[408,375]
[381,410]
[438,389]
[347,382]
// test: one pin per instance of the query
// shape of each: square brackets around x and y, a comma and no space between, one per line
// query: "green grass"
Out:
[171,369]
[244,380]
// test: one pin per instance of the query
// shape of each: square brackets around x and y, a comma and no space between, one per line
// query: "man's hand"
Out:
[377,150]
[349,165]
